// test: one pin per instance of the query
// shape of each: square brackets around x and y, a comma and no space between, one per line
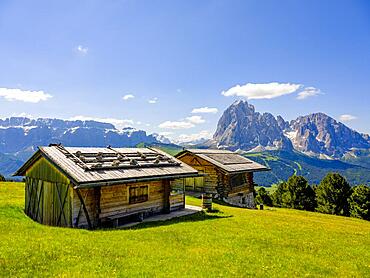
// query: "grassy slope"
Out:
[234,242]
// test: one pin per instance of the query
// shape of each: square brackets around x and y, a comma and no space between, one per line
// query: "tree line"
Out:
[333,195]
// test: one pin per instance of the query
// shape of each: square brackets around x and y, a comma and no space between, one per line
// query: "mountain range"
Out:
[310,145]
[20,136]
[318,135]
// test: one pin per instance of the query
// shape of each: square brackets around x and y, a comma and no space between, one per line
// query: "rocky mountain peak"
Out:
[316,134]
[240,127]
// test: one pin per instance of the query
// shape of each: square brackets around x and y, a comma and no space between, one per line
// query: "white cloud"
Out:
[165,133]
[195,119]
[176,125]
[178,90]
[118,123]
[308,92]
[186,123]
[262,91]
[153,100]
[128,96]
[204,110]
[82,49]
[23,115]
[204,134]
[347,118]
[23,95]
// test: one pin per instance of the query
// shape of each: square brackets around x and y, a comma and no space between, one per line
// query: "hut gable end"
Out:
[42,169]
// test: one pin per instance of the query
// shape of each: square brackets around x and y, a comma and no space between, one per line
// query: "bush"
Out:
[295,193]
[359,202]
[332,195]
[263,197]
[2,177]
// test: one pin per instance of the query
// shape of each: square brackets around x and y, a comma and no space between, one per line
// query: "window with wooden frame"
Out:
[138,194]
[238,180]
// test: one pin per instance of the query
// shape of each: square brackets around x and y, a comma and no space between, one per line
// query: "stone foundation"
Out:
[243,200]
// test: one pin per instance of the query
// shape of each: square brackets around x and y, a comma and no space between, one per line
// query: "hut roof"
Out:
[99,166]
[228,161]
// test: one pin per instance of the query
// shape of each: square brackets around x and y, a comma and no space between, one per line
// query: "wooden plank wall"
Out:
[113,200]
[245,188]
[48,203]
[48,195]
[90,198]
[177,197]
[210,180]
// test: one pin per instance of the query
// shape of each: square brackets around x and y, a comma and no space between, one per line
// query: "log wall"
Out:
[110,201]
[215,181]
[210,180]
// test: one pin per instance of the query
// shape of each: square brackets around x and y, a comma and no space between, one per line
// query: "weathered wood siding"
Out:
[109,201]
[247,187]
[90,198]
[115,199]
[215,181]
[177,196]
[48,195]
[210,180]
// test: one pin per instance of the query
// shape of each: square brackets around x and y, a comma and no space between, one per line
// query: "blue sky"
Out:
[78,59]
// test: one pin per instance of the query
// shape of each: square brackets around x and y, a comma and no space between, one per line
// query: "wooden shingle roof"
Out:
[228,161]
[86,166]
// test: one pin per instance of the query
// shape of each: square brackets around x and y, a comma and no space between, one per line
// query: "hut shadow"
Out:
[199,216]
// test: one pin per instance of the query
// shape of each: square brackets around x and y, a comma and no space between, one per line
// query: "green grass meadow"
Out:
[233,242]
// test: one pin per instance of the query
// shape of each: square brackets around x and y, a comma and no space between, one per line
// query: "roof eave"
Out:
[133,180]
[248,171]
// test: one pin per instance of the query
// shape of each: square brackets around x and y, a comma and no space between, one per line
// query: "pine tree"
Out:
[332,195]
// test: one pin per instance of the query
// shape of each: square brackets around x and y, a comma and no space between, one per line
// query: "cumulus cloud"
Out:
[82,49]
[204,134]
[118,123]
[153,100]
[176,125]
[195,119]
[23,115]
[128,96]
[165,133]
[262,91]
[347,118]
[308,92]
[186,123]
[23,95]
[204,110]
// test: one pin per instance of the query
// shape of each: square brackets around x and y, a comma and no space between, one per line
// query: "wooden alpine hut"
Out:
[93,187]
[224,174]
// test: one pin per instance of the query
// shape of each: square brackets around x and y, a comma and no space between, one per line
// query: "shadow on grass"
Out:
[199,216]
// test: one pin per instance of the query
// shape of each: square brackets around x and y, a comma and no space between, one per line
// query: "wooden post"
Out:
[250,182]
[207,201]
[166,190]
[97,194]
[183,191]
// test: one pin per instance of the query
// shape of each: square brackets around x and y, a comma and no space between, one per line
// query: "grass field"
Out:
[233,242]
